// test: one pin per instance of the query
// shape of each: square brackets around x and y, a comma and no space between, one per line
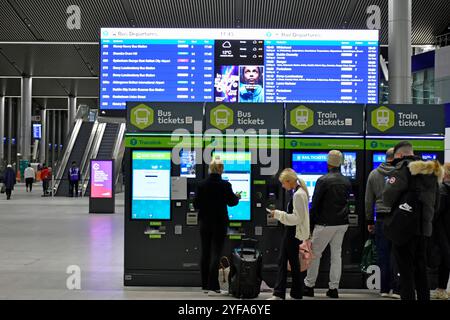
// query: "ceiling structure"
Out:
[35,40]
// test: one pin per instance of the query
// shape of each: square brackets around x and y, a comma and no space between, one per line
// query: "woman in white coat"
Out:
[296,229]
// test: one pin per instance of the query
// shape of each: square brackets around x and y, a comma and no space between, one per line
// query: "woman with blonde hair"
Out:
[296,230]
[213,197]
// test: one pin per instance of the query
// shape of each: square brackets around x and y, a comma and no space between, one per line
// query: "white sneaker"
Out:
[218,293]
[385,295]
[274,298]
[439,294]
[395,296]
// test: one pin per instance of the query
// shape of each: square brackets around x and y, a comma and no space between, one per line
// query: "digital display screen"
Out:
[187,164]
[37,131]
[237,171]
[101,179]
[237,65]
[377,159]
[429,156]
[312,165]
[151,185]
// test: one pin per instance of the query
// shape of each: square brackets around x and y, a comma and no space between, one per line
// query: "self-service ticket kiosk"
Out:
[162,243]
[314,130]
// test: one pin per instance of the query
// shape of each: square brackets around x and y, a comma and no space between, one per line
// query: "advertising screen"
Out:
[237,171]
[237,65]
[378,158]
[310,166]
[187,164]
[150,185]
[102,179]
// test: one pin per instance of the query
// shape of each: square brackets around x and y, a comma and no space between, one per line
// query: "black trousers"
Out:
[73,186]
[8,193]
[412,265]
[45,186]
[443,276]
[289,252]
[212,239]
[29,183]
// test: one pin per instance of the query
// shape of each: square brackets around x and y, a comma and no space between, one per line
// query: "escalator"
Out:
[107,149]
[76,154]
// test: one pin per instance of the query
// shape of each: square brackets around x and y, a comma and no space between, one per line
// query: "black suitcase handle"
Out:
[253,243]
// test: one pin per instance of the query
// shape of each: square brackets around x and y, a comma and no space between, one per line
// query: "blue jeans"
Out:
[386,262]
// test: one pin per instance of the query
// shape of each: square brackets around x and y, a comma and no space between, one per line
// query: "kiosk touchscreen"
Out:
[378,158]
[150,185]
[187,164]
[312,165]
[237,170]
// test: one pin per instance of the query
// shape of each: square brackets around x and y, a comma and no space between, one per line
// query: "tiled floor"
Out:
[41,237]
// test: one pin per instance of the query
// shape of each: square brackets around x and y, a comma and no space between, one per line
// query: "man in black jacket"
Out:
[213,197]
[329,214]
[411,257]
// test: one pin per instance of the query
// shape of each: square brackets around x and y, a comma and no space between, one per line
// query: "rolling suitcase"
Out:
[245,270]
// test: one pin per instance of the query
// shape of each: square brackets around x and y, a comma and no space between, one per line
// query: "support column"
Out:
[10,129]
[2,127]
[43,143]
[19,143]
[53,138]
[58,140]
[72,112]
[26,118]
[400,51]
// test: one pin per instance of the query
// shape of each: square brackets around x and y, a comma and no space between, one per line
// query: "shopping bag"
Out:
[3,189]
[306,255]
[224,271]
[369,255]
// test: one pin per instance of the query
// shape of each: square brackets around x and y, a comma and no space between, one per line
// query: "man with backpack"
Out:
[74,179]
[412,191]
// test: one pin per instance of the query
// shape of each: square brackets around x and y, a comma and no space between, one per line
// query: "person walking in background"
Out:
[296,229]
[375,207]
[9,180]
[29,175]
[45,173]
[440,239]
[74,177]
[213,197]
[329,220]
[421,178]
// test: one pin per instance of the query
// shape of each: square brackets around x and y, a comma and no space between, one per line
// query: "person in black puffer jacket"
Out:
[440,239]
[329,222]
[411,257]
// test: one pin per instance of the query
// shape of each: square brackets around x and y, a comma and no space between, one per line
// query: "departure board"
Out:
[237,65]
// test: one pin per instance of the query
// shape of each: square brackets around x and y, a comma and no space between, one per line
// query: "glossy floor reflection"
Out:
[41,237]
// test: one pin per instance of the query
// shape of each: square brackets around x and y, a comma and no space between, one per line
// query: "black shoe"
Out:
[332,293]
[308,291]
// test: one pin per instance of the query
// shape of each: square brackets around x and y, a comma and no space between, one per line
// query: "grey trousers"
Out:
[322,236]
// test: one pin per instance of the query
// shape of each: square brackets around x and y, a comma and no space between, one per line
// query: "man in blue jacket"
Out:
[74,177]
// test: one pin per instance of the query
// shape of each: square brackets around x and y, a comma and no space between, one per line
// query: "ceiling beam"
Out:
[129,13]
[25,19]
[349,14]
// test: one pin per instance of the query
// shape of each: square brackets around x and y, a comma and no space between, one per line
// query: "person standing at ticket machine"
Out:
[74,179]
[213,197]
[296,229]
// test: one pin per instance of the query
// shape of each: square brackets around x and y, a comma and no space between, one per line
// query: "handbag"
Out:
[369,255]
[224,272]
[3,189]
[305,255]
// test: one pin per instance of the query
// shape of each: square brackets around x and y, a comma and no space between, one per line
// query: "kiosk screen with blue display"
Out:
[150,185]
[237,171]
[378,158]
[428,156]
[237,65]
[187,164]
[312,165]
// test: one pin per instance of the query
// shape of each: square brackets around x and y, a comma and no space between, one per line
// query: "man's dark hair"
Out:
[402,145]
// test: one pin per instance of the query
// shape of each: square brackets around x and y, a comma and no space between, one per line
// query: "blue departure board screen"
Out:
[237,65]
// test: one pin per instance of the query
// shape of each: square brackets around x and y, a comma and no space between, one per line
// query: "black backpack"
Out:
[245,271]
[405,217]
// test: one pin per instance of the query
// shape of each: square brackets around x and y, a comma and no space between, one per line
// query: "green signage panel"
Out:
[155,236]
[259,182]
[235,224]
[324,144]
[418,145]
[155,223]
[235,237]
[154,142]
